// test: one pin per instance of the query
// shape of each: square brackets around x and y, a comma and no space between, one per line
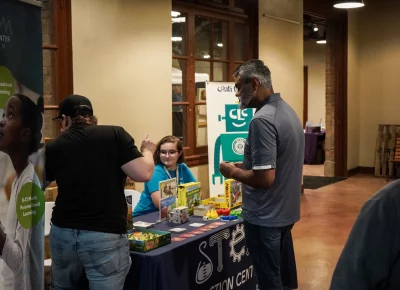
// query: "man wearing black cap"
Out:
[90,164]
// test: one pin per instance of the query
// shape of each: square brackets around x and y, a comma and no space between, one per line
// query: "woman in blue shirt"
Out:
[169,163]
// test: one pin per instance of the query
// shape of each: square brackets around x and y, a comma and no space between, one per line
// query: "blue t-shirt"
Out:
[145,204]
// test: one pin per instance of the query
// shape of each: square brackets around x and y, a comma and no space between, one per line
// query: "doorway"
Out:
[314,114]
[335,164]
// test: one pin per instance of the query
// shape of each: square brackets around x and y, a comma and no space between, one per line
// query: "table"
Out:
[215,260]
[311,146]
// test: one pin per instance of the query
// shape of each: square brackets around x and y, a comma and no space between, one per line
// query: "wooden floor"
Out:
[327,216]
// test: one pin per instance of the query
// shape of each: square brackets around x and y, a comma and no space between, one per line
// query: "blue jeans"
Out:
[103,257]
[265,245]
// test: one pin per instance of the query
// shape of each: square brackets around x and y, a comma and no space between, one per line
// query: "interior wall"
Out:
[120,67]
[378,63]
[201,173]
[315,59]
[353,95]
[281,48]
[122,62]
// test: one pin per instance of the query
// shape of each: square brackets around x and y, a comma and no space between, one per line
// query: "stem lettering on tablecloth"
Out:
[217,238]
[235,281]
[205,268]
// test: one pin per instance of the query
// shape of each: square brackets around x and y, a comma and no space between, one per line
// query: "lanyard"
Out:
[177,174]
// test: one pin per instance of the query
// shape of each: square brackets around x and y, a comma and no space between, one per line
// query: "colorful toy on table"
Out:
[229,218]
[211,214]
[223,211]
[237,212]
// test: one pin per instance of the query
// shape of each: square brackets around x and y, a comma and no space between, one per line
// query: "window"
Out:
[57,60]
[207,45]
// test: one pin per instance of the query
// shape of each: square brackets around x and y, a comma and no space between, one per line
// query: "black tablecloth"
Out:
[311,146]
[207,260]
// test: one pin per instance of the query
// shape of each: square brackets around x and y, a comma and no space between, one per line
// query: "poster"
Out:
[22,199]
[228,134]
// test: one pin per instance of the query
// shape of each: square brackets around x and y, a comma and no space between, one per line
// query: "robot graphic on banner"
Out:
[233,140]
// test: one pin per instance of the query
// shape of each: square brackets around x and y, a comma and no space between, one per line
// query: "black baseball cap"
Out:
[75,105]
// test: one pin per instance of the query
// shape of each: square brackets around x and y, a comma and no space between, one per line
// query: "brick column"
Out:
[336,95]
[330,101]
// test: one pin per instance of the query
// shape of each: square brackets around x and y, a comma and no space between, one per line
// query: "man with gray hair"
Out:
[271,172]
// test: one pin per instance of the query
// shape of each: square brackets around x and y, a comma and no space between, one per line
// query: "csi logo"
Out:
[238,115]
[226,89]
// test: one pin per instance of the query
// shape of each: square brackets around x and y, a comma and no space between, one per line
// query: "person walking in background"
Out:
[90,164]
[271,172]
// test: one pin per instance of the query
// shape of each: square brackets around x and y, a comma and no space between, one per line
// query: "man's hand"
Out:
[226,169]
[148,145]
[238,165]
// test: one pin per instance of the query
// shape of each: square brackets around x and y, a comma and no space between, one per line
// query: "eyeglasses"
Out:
[170,153]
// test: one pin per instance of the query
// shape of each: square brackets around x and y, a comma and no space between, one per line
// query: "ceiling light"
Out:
[176,38]
[220,44]
[175,13]
[348,4]
[315,27]
[322,40]
[206,56]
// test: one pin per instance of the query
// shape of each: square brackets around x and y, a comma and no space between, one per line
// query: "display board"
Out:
[228,127]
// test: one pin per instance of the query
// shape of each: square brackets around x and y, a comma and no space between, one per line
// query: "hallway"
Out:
[327,216]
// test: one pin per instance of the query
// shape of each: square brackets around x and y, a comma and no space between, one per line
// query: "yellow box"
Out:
[230,199]
[218,202]
[233,193]
[189,195]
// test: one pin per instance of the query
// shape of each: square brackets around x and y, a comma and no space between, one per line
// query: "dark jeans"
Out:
[265,247]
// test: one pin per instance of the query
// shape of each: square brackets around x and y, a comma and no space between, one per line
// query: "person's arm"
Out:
[138,166]
[13,251]
[263,137]
[373,245]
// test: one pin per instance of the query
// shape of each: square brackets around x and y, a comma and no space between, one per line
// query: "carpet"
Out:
[315,182]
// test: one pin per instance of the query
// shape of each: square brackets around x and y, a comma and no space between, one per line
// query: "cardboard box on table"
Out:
[168,191]
[179,215]
[189,194]
[232,197]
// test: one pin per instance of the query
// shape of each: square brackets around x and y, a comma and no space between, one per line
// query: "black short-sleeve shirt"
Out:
[86,161]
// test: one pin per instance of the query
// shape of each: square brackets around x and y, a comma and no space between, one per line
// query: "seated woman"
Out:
[169,163]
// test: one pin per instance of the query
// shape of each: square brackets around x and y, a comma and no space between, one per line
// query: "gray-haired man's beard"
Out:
[244,100]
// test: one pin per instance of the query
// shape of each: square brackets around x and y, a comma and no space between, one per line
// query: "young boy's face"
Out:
[11,131]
